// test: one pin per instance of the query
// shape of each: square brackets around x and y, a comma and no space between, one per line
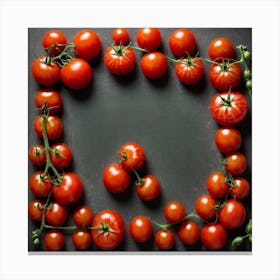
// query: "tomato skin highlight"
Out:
[213,236]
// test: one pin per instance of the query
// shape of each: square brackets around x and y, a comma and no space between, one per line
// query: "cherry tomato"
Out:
[120,36]
[61,155]
[182,42]
[108,231]
[225,76]
[174,212]
[87,44]
[189,70]
[119,60]
[232,215]
[56,214]
[236,163]
[54,40]
[220,48]
[148,188]
[164,239]
[213,236]
[54,240]
[205,207]
[69,190]
[241,189]
[45,72]
[228,109]
[83,216]
[228,139]
[49,98]
[140,229]
[216,185]
[35,210]
[37,155]
[189,233]
[54,126]
[154,65]
[40,184]
[81,239]
[77,74]
[115,178]
[149,38]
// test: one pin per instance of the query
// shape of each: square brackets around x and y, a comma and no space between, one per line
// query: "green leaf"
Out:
[237,241]
[248,228]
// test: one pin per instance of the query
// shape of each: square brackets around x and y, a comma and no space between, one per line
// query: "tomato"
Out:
[35,210]
[182,42]
[54,42]
[132,156]
[77,74]
[37,155]
[241,189]
[108,231]
[205,207]
[54,240]
[148,188]
[216,185]
[115,178]
[61,155]
[225,76]
[87,44]
[232,215]
[40,184]
[140,229]
[164,239]
[228,139]
[149,38]
[174,212]
[154,65]
[220,48]
[120,36]
[45,72]
[56,214]
[189,233]
[236,163]
[229,109]
[213,236]
[69,190]
[81,239]
[49,98]
[54,126]
[83,216]
[189,70]
[119,60]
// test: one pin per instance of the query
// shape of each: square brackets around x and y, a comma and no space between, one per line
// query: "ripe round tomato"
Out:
[87,44]
[69,190]
[54,240]
[225,76]
[189,70]
[81,239]
[61,155]
[220,48]
[115,178]
[45,72]
[149,38]
[56,215]
[189,233]
[228,109]
[228,139]
[232,215]
[40,184]
[77,74]
[83,216]
[132,156]
[108,231]
[140,229]
[236,163]
[164,239]
[35,210]
[241,190]
[148,188]
[37,155]
[120,36]
[216,185]
[205,207]
[182,42]
[154,65]
[119,60]
[55,40]
[213,236]
[174,212]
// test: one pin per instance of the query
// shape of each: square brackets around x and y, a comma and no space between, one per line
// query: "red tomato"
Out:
[164,239]
[149,38]
[108,231]
[228,109]
[45,72]
[69,190]
[61,155]
[87,44]
[236,163]
[216,185]
[81,239]
[213,236]
[189,233]
[37,155]
[241,190]
[40,184]
[205,207]
[56,214]
[140,229]
[220,48]
[54,240]
[189,70]
[119,60]
[115,178]
[225,76]
[83,216]
[182,42]
[174,212]
[148,188]
[228,139]
[232,215]
[77,74]
[120,36]
[154,65]
[54,42]
[35,210]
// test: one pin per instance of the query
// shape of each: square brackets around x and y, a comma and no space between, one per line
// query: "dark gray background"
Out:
[170,120]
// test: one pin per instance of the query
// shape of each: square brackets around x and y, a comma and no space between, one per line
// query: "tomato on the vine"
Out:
[213,236]
[54,240]
[205,207]
[216,185]
[120,36]
[220,48]
[149,38]
[37,155]
[241,189]
[54,42]
[35,210]
[50,98]
[56,214]
[174,212]
[83,216]
[236,163]
[61,155]
[189,233]
[148,188]
[164,239]
[81,239]
[140,229]
[40,184]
